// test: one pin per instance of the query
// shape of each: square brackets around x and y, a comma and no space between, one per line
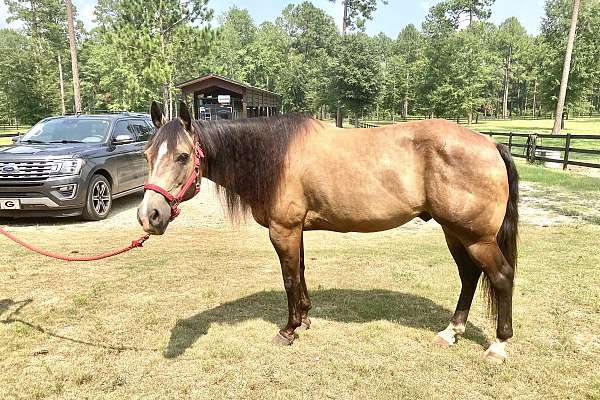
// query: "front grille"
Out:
[29,170]
[11,195]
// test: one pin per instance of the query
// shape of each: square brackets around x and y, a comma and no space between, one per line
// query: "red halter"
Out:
[174,201]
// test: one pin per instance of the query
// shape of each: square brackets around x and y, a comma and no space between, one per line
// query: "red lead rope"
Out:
[136,243]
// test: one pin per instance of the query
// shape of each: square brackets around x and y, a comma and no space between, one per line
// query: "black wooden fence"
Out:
[532,147]
[7,135]
[4,127]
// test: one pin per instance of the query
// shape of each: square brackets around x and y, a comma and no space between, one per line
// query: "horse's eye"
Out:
[183,158]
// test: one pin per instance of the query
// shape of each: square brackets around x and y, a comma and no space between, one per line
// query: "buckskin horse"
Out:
[295,174]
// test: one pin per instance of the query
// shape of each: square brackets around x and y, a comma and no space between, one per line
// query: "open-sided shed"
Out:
[215,97]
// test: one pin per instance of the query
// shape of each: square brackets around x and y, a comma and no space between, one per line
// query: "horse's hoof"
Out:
[494,358]
[304,326]
[495,354]
[280,340]
[441,342]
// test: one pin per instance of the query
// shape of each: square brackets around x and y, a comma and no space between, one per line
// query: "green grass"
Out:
[558,178]
[587,126]
[192,315]
[6,141]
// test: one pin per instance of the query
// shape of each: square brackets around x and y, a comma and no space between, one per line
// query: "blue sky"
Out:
[388,19]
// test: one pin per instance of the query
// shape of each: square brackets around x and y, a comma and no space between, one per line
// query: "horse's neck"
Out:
[214,173]
[218,171]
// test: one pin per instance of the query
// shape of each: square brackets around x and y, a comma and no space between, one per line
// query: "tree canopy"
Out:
[457,64]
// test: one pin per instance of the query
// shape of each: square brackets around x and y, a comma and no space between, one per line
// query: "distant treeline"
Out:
[457,64]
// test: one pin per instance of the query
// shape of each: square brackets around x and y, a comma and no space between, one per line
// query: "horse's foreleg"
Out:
[287,242]
[469,275]
[501,275]
[304,299]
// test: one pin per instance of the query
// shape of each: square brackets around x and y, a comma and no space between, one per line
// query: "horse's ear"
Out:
[158,119]
[184,114]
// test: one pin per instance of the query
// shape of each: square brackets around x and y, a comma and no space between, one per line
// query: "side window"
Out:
[124,128]
[143,130]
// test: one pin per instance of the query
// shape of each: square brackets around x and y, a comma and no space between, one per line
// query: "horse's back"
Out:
[379,178]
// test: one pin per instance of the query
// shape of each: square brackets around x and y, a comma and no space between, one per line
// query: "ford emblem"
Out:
[10,169]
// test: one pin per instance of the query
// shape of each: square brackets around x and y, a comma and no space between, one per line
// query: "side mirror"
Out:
[123,139]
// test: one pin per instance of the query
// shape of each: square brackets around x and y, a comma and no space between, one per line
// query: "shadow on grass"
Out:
[343,305]
[6,304]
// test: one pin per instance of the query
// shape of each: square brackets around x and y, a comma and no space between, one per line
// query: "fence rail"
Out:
[5,127]
[534,149]
[481,117]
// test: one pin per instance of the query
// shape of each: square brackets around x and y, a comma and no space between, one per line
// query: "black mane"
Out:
[246,157]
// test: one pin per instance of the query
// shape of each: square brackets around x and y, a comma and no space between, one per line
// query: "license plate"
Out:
[10,204]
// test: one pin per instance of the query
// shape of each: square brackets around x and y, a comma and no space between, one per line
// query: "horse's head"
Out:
[173,169]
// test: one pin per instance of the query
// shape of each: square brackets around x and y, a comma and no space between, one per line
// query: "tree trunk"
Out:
[560,105]
[35,37]
[73,47]
[405,107]
[519,99]
[525,101]
[345,21]
[62,85]
[534,98]
[506,82]
[166,101]
[339,121]
[170,95]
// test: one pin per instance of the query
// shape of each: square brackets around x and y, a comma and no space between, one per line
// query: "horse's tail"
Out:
[508,233]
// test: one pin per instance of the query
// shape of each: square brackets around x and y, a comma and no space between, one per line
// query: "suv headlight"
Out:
[67,167]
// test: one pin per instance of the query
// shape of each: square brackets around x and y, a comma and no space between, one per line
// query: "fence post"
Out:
[510,138]
[567,150]
[531,145]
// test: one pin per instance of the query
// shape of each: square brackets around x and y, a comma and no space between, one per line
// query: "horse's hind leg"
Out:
[499,275]
[304,299]
[469,275]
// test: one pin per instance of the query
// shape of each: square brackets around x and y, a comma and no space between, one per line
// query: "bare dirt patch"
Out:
[547,205]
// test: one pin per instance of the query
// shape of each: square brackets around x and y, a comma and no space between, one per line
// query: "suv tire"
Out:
[99,200]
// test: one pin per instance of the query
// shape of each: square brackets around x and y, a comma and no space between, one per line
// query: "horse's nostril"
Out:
[154,216]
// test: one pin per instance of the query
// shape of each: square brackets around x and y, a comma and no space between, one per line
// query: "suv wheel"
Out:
[99,199]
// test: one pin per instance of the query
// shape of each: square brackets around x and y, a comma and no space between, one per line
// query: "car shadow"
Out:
[120,206]
[343,305]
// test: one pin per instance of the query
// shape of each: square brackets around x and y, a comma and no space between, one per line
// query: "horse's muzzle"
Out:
[154,214]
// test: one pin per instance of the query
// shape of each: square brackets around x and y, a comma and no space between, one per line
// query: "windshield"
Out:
[68,130]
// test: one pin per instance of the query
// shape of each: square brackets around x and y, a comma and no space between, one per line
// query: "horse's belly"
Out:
[358,220]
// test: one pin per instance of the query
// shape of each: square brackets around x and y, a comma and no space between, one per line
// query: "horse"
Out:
[293,174]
